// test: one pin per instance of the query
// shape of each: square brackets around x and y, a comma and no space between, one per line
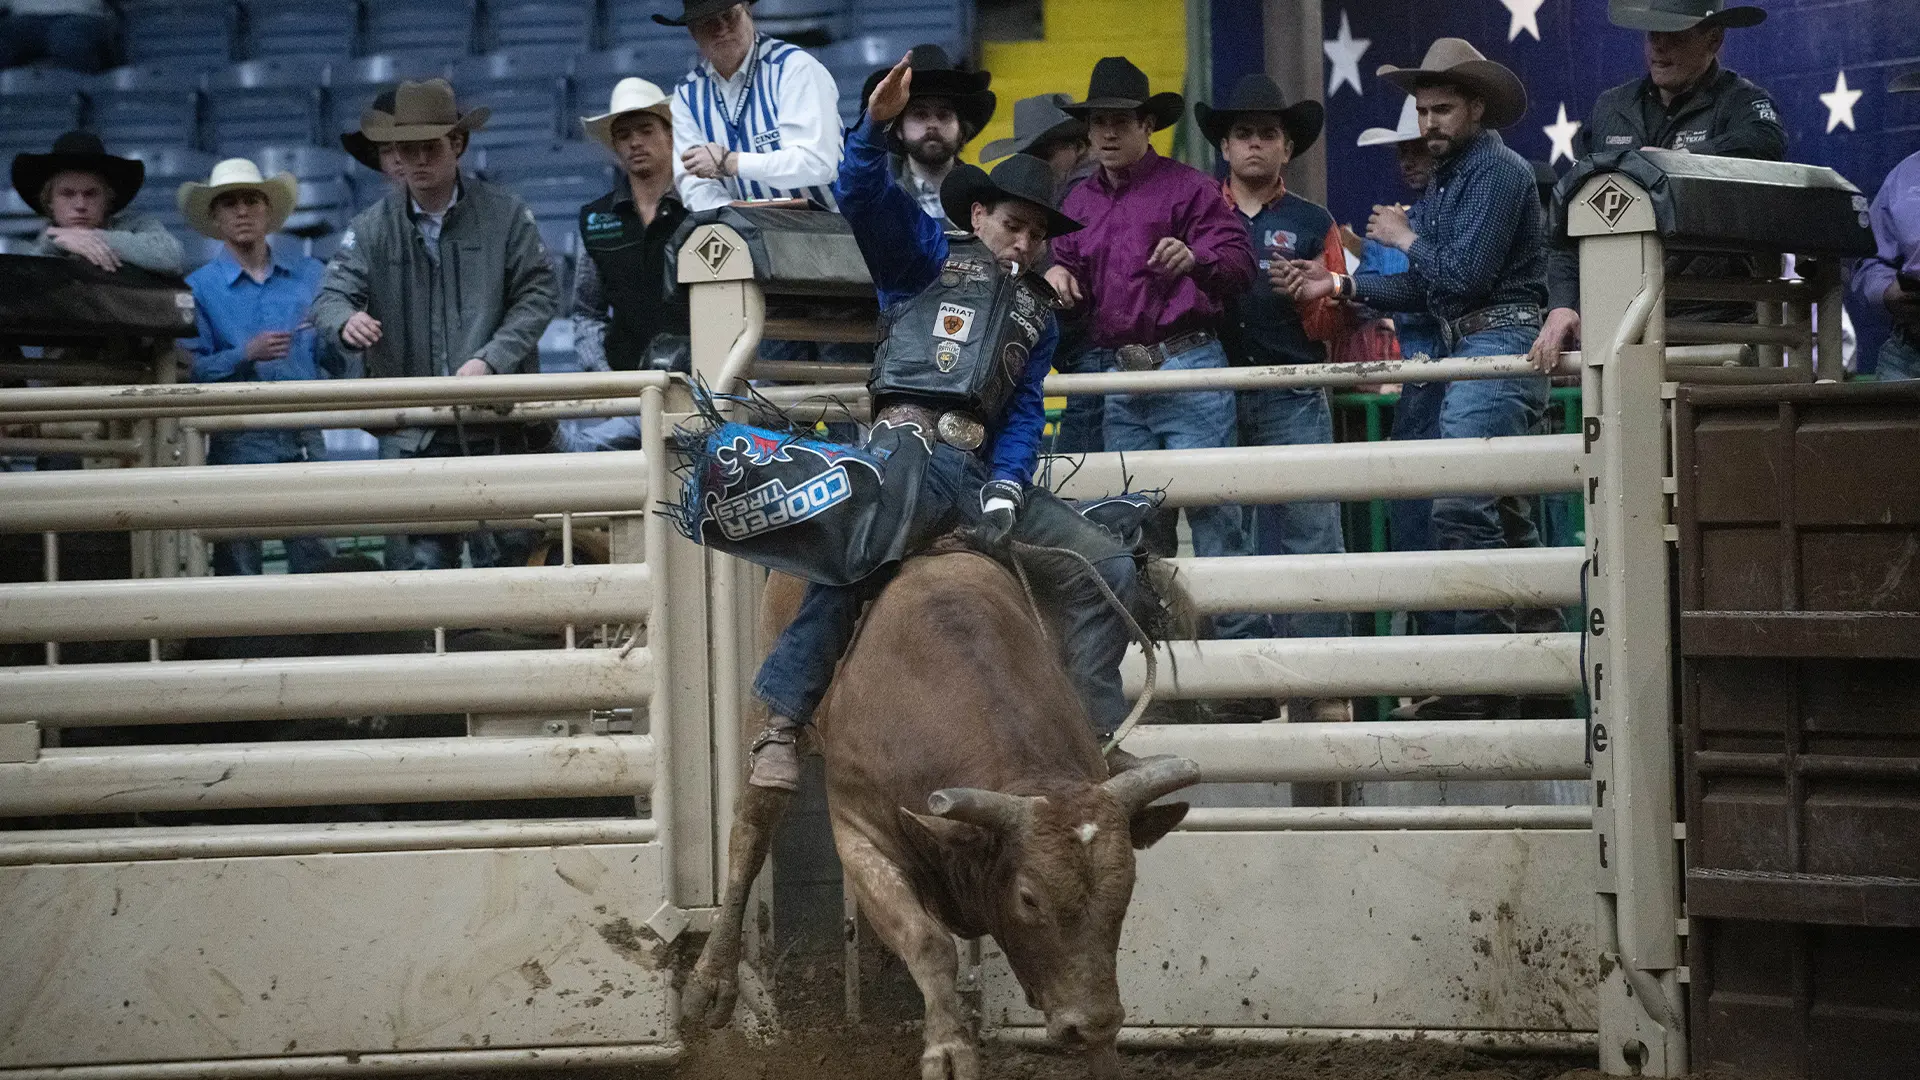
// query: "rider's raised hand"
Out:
[890,97]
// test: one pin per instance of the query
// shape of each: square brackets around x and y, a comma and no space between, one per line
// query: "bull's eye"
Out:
[1029,901]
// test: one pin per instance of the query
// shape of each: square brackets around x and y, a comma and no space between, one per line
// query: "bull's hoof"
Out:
[955,1060]
[708,999]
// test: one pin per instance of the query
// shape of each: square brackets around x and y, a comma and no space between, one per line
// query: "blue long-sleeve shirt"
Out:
[230,308]
[904,250]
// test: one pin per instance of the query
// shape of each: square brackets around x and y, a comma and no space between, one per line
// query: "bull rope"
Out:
[1146,643]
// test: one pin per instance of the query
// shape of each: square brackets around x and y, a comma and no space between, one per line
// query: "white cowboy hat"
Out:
[1407,130]
[629,95]
[195,199]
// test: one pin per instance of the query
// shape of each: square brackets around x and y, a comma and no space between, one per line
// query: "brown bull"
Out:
[952,698]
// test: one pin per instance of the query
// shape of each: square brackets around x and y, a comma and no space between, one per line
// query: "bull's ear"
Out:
[1149,825]
[937,839]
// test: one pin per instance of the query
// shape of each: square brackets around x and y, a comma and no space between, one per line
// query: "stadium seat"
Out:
[946,23]
[409,26]
[17,219]
[804,20]
[178,30]
[40,103]
[547,163]
[662,63]
[264,101]
[304,162]
[542,24]
[852,60]
[145,105]
[630,23]
[353,84]
[305,29]
[525,92]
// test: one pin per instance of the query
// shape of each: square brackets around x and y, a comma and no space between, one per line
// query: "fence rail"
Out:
[1360,666]
[1390,750]
[1372,581]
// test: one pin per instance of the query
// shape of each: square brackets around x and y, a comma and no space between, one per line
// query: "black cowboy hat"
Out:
[695,10]
[1904,84]
[1036,120]
[1118,84]
[1667,16]
[1019,177]
[359,146]
[935,75]
[1257,93]
[77,151]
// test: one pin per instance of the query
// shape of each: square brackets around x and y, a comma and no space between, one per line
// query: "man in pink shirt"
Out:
[1161,256]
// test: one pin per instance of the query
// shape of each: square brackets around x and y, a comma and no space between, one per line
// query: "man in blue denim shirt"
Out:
[978,479]
[251,305]
[1475,246]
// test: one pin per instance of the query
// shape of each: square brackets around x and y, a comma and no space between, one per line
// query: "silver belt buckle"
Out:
[962,432]
[1135,358]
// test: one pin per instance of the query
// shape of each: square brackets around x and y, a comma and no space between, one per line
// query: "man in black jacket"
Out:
[1687,101]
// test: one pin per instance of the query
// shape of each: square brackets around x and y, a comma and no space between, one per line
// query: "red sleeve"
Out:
[1326,319]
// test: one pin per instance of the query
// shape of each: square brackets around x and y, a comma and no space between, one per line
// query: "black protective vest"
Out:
[634,273]
[963,342]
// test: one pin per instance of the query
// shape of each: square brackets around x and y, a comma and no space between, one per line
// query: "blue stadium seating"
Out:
[941,22]
[145,105]
[445,27]
[306,29]
[327,198]
[353,84]
[525,92]
[17,219]
[40,103]
[630,22]
[802,19]
[542,24]
[263,101]
[662,63]
[852,60]
[178,30]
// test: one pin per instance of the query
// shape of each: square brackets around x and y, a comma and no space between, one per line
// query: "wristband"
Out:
[1010,490]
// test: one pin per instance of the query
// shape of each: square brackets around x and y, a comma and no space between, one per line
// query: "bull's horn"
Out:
[1151,779]
[977,806]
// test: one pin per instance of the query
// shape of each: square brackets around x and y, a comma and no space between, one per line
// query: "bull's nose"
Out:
[1083,1029]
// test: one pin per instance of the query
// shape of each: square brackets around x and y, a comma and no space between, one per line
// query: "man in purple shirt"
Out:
[1889,279]
[1161,256]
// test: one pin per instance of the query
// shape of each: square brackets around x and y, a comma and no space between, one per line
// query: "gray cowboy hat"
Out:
[695,10]
[421,110]
[1904,84]
[1118,84]
[935,75]
[1667,16]
[77,151]
[1019,177]
[1036,120]
[1258,93]
[1455,62]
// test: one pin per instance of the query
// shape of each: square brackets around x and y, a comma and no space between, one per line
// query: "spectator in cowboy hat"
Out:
[1686,101]
[383,158]
[251,306]
[1889,279]
[446,275]
[1475,245]
[84,192]
[1044,130]
[1161,257]
[948,107]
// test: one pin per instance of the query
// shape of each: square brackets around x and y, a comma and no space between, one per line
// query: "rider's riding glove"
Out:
[1000,502]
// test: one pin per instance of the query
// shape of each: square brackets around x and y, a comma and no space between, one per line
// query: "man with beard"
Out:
[618,308]
[1688,102]
[1475,247]
[947,109]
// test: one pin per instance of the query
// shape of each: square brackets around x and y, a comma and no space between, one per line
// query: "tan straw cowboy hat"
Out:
[421,110]
[195,199]
[1454,62]
[629,95]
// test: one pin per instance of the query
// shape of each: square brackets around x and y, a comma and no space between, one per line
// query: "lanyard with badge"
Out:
[736,118]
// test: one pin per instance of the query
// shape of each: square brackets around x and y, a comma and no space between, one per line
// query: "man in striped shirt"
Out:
[757,118]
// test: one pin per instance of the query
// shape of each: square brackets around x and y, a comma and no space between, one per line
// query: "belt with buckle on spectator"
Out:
[1492,318]
[1151,357]
[962,431]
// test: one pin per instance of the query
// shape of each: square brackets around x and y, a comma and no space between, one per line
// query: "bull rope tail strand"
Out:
[1141,704]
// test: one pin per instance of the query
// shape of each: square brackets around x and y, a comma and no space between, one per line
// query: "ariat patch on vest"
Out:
[954,322]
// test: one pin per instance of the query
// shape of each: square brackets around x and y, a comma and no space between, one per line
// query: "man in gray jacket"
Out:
[446,277]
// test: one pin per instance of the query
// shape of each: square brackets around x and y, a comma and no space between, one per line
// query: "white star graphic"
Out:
[1839,102]
[1523,15]
[1345,51]
[1561,131]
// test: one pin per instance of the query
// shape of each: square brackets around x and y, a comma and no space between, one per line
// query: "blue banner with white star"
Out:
[1826,62]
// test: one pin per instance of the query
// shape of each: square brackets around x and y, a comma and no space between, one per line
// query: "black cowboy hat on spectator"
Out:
[1019,177]
[1037,121]
[359,146]
[695,10]
[1904,84]
[1667,16]
[1258,93]
[77,151]
[1118,84]
[1454,62]
[936,76]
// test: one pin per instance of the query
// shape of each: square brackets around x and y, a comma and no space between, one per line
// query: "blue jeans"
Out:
[1483,408]
[1899,361]
[441,551]
[1294,418]
[234,558]
[1080,430]
[800,666]
[1198,421]
[76,42]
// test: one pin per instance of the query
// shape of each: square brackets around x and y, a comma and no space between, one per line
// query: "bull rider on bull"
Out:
[973,389]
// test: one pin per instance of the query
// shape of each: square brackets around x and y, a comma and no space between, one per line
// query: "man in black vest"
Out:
[623,300]
[1687,101]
